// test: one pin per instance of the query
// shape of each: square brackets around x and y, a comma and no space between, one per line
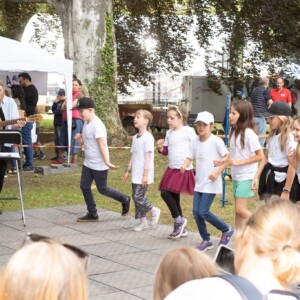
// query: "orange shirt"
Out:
[283,95]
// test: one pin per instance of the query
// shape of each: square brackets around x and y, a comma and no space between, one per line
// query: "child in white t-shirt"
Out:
[275,174]
[245,153]
[96,163]
[211,156]
[141,166]
[176,145]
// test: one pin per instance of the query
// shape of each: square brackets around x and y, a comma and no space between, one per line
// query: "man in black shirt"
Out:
[31,99]
[261,100]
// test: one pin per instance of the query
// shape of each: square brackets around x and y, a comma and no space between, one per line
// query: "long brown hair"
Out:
[245,120]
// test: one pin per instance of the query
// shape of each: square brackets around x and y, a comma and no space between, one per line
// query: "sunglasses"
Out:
[176,108]
[39,238]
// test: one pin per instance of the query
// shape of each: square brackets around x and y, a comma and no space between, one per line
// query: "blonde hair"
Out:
[178,266]
[180,111]
[44,271]
[284,130]
[275,228]
[297,119]
[147,115]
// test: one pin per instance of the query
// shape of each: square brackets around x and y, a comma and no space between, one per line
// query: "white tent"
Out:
[21,57]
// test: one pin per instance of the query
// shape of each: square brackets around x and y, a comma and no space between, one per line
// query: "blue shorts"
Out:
[242,189]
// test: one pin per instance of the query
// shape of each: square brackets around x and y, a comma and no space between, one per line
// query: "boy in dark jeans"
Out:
[96,163]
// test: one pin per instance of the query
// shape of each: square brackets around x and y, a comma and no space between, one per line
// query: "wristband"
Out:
[127,170]
[286,190]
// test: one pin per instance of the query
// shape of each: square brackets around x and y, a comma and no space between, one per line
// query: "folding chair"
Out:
[14,137]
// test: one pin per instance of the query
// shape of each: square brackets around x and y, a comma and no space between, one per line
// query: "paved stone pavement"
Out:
[123,262]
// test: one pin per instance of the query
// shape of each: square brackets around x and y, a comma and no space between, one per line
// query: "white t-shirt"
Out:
[90,132]
[279,158]
[245,172]
[140,146]
[178,143]
[214,288]
[205,153]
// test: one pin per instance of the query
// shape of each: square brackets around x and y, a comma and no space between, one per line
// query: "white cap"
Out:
[205,117]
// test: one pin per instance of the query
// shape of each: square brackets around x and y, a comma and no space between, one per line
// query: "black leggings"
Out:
[173,202]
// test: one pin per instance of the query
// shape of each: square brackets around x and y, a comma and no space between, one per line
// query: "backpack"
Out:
[248,290]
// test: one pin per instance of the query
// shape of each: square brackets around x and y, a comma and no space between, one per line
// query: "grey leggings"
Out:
[142,204]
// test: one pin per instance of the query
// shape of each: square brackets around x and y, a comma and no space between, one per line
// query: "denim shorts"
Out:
[242,189]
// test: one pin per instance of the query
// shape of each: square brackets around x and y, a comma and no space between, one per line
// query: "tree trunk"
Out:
[90,43]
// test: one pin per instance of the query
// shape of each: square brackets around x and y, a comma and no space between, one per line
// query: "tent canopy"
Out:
[21,57]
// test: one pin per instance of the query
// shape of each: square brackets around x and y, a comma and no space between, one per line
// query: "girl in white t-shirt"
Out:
[176,145]
[211,156]
[141,166]
[274,173]
[245,153]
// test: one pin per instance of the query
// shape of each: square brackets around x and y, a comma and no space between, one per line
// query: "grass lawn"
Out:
[63,189]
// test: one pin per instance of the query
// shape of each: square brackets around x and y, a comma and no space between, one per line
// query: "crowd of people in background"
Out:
[266,242]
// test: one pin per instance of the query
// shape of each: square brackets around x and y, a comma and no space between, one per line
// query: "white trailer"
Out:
[198,96]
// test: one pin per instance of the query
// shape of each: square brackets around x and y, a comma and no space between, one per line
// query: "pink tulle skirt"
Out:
[177,182]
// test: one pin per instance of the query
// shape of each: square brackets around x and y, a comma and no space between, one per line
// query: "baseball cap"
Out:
[84,103]
[205,117]
[61,92]
[278,108]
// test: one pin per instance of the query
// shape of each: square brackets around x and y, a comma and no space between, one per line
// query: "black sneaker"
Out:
[88,218]
[28,169]
[54,158]
[126,207]
[42,155]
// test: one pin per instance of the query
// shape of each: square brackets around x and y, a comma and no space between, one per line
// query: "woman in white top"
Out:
[267,254]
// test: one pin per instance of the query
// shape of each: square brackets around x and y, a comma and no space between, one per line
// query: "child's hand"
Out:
[285,196]
[126,176]
[254,184]
[78,137]
[234,162]
[160,144]
[111,166]
[213,176]
[182,169]
[217,162]
[144,181]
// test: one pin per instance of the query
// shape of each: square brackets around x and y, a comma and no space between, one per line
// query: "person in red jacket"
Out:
[280,93]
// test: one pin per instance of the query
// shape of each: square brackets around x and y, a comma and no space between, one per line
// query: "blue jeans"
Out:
[261,128]
[201,206]
[26,137]
[100,177]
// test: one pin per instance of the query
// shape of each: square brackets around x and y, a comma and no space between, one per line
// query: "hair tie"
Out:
[285,247]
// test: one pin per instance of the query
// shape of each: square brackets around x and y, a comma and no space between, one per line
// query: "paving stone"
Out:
[145,292]
[125,280]
[117,296]
[119,234]
[97,289]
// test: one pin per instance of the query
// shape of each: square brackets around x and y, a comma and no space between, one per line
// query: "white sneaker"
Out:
[140,227]
[155,218]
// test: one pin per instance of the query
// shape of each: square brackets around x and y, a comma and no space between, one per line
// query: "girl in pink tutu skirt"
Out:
[176,146]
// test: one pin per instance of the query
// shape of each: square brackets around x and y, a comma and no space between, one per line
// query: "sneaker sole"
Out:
[81,221]
[185,234]
[138,230]
[208,248]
